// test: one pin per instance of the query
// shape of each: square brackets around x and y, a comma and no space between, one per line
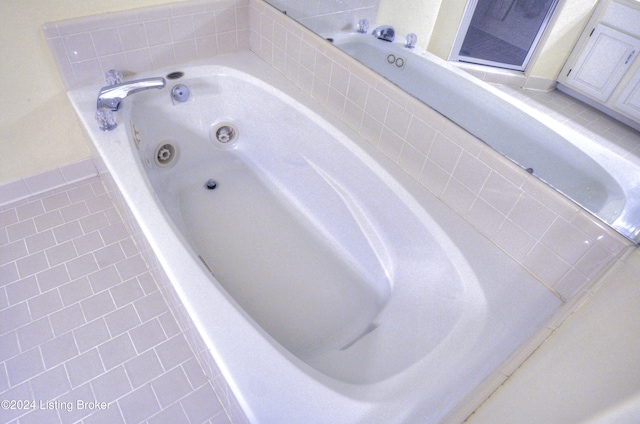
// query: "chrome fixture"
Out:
[412,39]
[113,77]
[385,32]
[363,26]
[106,119]
[111,96]
[180,93]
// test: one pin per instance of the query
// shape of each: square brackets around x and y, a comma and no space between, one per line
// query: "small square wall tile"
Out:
[546,265]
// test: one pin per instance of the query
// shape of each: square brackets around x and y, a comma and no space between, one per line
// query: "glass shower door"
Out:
[502,33]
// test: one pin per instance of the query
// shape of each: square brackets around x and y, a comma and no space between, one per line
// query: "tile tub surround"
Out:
[560,243]
[83,318]
[557,241]
[144,39]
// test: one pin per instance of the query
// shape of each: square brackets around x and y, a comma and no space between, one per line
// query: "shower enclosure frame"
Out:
[465,25]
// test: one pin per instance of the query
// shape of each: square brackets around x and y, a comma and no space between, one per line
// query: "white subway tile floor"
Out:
[82,320]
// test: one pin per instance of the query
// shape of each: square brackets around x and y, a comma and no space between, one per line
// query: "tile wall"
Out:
[144,39]
[82,318]
[557,241]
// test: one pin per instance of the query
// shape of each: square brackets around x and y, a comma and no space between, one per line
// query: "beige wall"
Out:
[38,128]
[410,16]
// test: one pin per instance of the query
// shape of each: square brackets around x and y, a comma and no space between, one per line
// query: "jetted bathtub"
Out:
[605,184]
[328,285]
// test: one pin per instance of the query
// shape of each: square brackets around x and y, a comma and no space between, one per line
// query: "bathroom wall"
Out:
[411,16]
[38,128]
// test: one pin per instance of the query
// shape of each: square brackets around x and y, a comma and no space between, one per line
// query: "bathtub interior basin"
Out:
[317,248]
[604,184]
[327,284]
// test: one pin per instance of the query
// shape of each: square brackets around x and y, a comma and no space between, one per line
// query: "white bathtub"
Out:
[328,285]
[603,183]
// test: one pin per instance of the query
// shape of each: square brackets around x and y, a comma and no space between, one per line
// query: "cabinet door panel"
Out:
[604,61]
[629,100]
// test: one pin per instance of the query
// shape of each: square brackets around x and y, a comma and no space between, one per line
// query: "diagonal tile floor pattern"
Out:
[85,334]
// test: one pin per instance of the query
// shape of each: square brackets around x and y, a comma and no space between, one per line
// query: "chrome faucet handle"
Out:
[113,77]
[363,26]
[106,119]
[412,39]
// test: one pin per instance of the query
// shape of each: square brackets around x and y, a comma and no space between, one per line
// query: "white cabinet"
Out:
[604,69]
[629,100]
[603,62]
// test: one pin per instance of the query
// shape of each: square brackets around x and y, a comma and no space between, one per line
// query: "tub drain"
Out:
[224,134]
[211,184]
[165,154]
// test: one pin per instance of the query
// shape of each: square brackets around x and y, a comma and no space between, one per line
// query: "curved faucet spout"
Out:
[385,32]
[111,96]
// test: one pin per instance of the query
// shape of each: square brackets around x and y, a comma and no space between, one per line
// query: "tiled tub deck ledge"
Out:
[82,318]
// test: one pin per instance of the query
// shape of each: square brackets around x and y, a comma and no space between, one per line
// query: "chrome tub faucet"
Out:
[385,32]
[110,96]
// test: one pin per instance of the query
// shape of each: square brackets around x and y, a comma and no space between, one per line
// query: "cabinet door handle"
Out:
[629,58]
